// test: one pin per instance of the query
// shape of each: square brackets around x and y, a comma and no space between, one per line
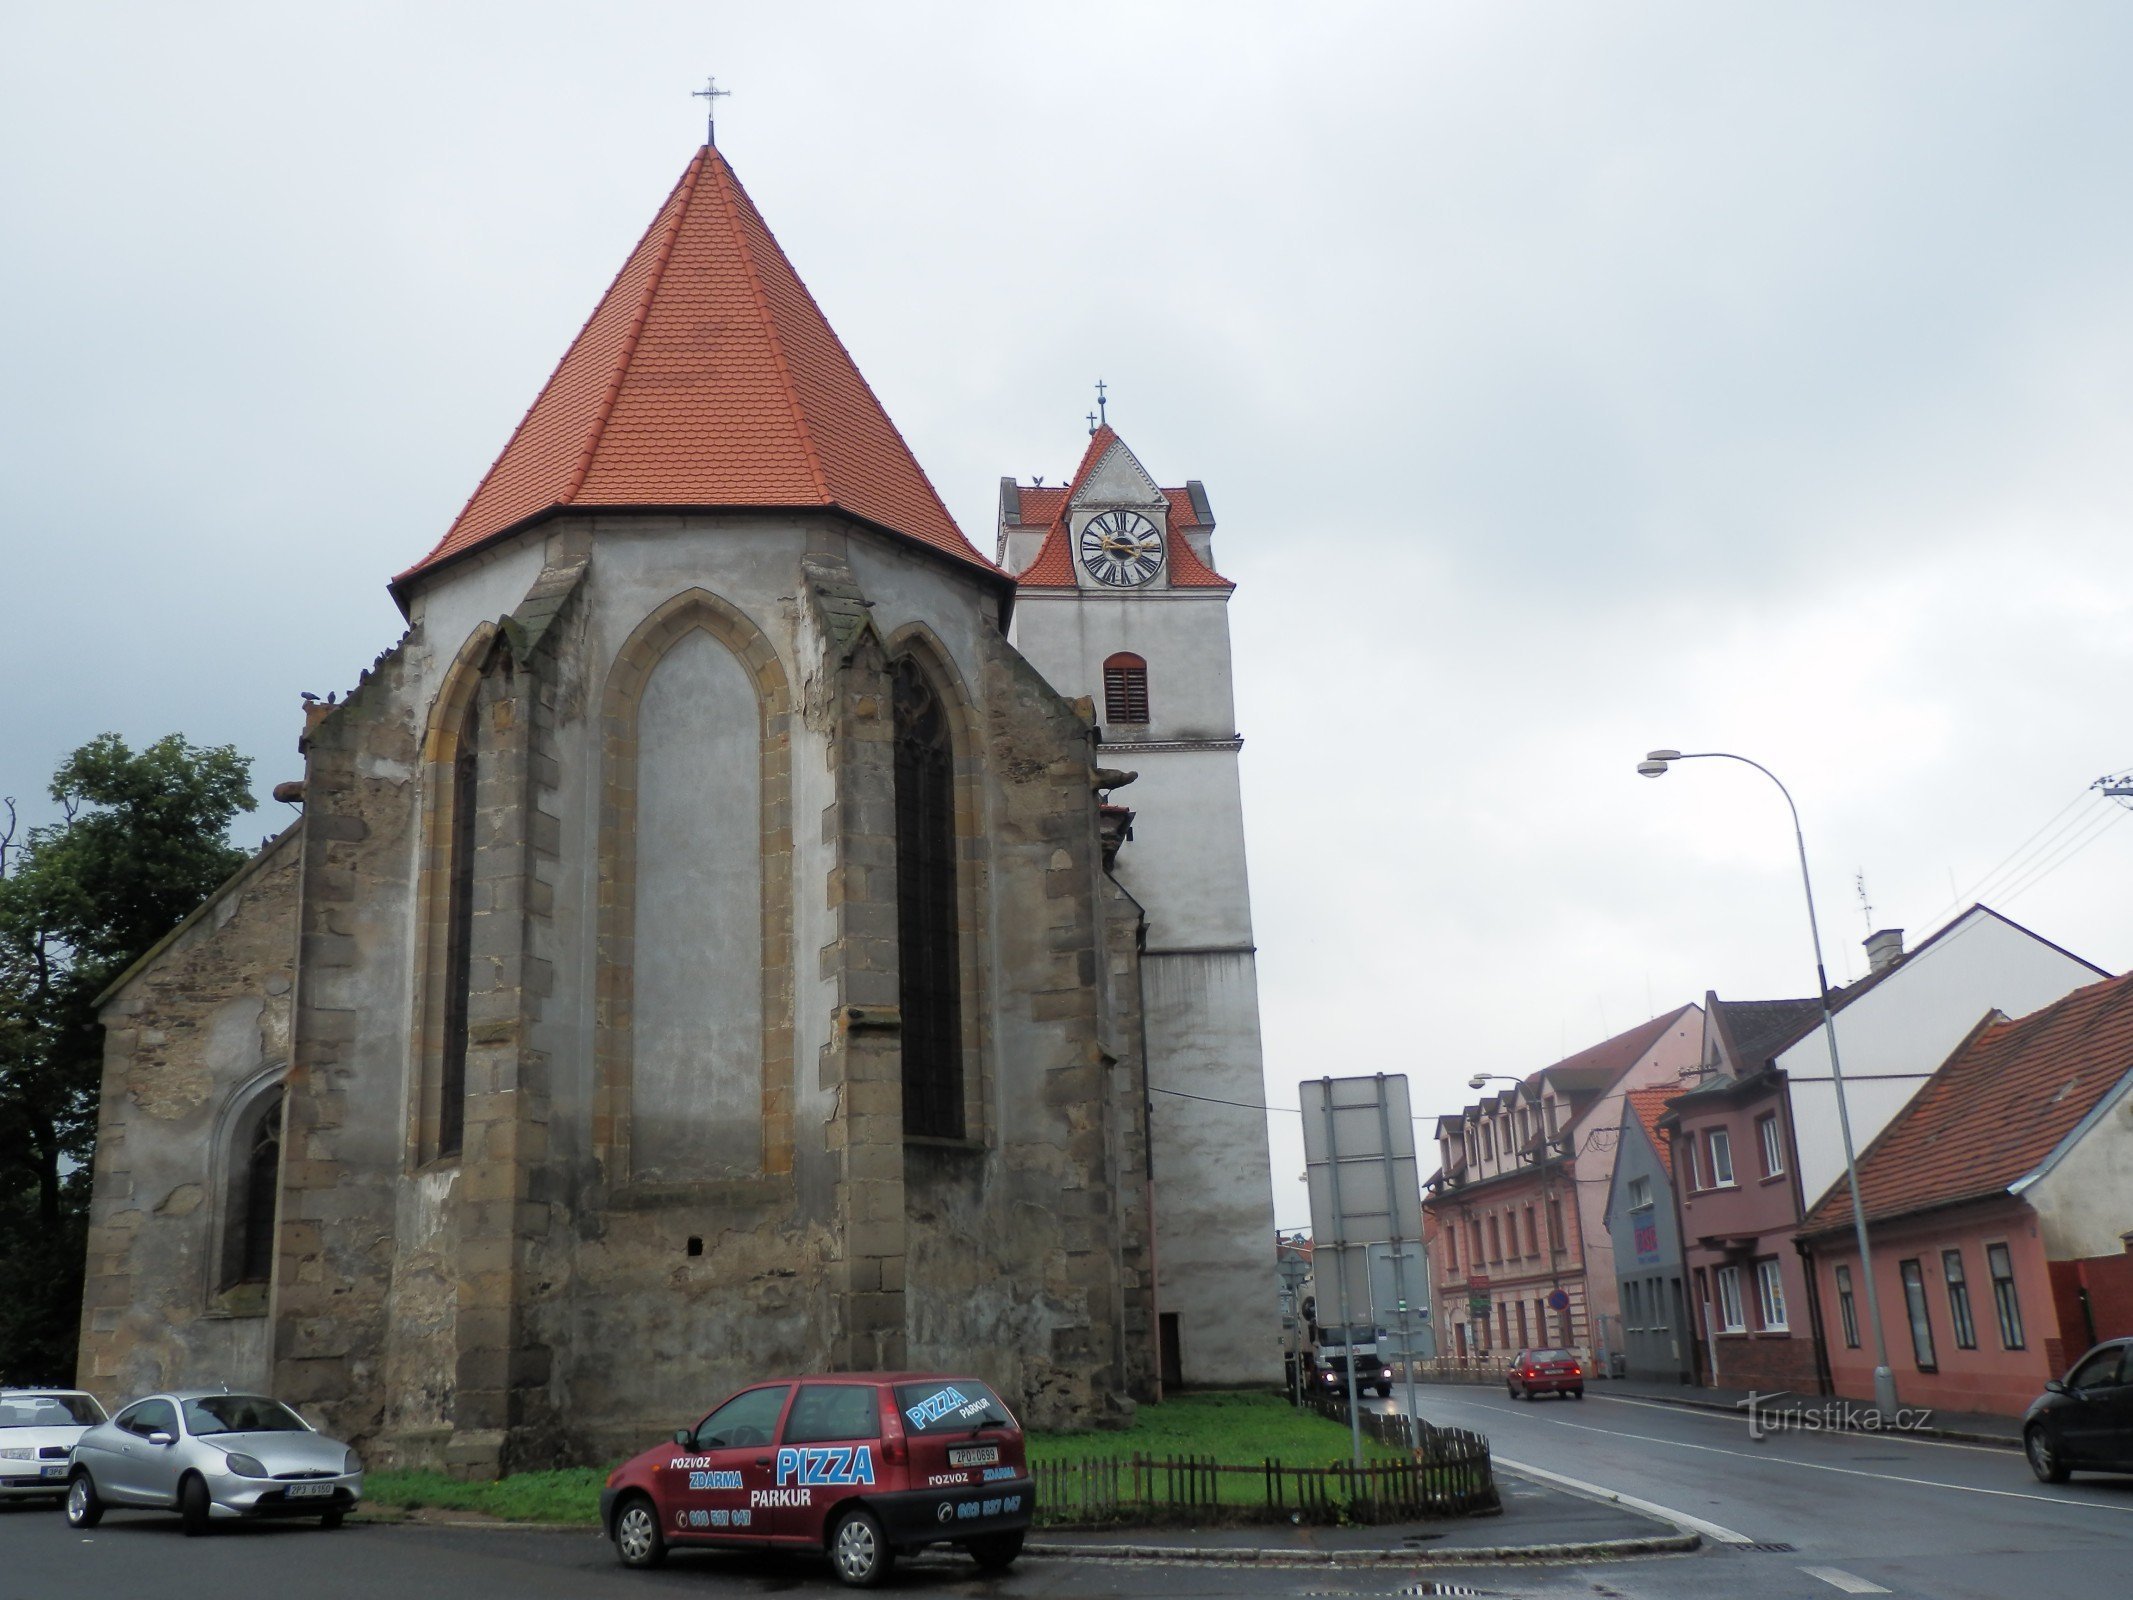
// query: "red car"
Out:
[864,1466]
[1536,1372]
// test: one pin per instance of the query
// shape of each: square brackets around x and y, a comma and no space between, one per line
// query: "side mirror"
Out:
[684,1436]
[160,1437]
[2056,1386]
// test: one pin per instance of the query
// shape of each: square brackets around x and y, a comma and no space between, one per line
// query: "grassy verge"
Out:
[1236,1429]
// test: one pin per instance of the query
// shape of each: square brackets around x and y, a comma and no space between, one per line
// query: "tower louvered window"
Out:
[1125,688]
[929,964]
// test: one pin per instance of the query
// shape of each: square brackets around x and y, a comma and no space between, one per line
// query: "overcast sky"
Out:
[1568,380]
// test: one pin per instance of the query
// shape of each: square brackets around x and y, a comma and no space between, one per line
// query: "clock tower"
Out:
[1117,598]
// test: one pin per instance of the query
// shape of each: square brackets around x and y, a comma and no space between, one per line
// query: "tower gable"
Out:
[1118,479]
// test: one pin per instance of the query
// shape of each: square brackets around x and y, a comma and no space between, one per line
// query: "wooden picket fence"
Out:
[1447,1475]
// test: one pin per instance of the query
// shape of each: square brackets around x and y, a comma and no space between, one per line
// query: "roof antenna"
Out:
[710,94]
[1866,905]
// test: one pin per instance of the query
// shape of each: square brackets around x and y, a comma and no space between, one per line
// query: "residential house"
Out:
[1646,1233]
[1998,1204]
[1758,1140]
[1508,1230]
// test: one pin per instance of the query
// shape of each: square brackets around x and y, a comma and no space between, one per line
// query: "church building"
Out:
[738,928]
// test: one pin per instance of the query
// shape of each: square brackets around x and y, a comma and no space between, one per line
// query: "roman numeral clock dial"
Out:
[1122,549]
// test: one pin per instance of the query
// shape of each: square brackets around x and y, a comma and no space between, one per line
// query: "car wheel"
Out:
[1577,1394]
[332,1520]
[638,1540]
[996,1552]
[84,1509]
[2036,1444]
[858,1550]
[1511,1389]
[192,1506]
[1384,1391]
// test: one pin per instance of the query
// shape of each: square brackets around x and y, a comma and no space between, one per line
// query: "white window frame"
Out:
[1720,1142]
[1640,1193]
[1769,1292]
[1773,1146]
[1732,1317]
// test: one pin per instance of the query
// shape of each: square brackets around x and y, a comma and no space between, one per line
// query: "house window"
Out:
[1640,1193]
[1721,1143]
[1632,1307]
[1524,1341]
[929,965]
[1488,1143]
[2001,1264]
[1473,1256]
[459,940]
[1660,1302]
[1731,1318]
[1125,688]
[1921,1318]
[1773,1150]
[1770,1292]
[1687,1147]
[1533,1244]
[1495,1242]
[1555,1224]
[1959,1318]
[1847,1310]
[1451,1250]
[1549,1107]
[1503,1322]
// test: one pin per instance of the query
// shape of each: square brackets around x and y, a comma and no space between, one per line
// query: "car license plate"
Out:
[305,1491]
[57,1469]
[983,1455]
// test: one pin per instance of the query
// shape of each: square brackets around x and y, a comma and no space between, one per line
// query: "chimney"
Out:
[1884,949]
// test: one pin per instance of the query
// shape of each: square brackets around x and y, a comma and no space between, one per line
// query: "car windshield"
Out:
[49,1411]
[946,1405]
[1340,1335]
[240,1413]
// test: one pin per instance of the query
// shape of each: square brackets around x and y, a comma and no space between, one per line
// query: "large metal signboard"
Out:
[1359,1161]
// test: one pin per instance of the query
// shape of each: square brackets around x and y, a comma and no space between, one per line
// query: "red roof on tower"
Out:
[706,377]
[1046,508]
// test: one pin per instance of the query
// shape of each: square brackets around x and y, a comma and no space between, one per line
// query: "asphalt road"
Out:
[1861,1515]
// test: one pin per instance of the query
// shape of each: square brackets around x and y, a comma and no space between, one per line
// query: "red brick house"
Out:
[1999,1209]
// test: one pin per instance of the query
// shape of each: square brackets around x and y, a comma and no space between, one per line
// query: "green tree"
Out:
[142,839]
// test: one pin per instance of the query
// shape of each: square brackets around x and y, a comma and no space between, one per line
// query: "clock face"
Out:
[1121,548]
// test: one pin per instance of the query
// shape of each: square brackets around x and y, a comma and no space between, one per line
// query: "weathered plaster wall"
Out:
[191,1037]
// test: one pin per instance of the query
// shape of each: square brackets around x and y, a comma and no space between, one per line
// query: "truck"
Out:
[1332,1347]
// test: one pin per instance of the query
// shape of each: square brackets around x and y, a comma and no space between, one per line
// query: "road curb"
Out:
[1727,1409]
[1478,1555]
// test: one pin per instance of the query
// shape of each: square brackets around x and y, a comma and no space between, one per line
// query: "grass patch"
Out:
[1237,1429]
[571,1495]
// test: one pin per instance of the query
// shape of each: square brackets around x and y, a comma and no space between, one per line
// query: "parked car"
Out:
[38,1428]
[2085,1420]
[1539,1372]
[211,1455]
[861,1466]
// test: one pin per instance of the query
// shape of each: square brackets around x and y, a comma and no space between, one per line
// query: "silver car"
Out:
[212,1456]
[38,1428]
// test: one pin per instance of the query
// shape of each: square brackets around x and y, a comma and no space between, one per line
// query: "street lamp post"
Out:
[1656,764]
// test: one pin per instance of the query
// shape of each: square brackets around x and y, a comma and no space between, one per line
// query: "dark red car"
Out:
[1536,1372]
[864,1466]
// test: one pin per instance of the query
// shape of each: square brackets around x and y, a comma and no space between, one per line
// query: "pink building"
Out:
[1999,1208]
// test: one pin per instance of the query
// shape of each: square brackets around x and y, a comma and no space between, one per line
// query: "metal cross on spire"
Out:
[1092,424]
[710,94]
[1100,414]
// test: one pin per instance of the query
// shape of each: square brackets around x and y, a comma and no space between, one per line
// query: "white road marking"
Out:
[1827,1433]
[1849,1472]
[1710,1530]
[1837,1578]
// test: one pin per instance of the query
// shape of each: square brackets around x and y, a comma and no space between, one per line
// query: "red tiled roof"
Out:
[1054,566]
[706,376]
[1648,1106]
[1996,1108]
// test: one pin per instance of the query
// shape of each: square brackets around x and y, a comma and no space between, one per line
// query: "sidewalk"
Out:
[1539,1522]
[1970,1427]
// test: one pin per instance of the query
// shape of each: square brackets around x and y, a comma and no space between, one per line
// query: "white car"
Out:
[211,1456]
[38,1428]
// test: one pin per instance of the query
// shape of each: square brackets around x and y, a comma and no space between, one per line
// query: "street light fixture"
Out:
[1657,763]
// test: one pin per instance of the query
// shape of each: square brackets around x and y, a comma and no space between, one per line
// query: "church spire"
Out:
[707,376]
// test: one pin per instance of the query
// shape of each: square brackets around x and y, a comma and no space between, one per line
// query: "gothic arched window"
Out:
[1125,688]
[255,1183]
[459,941]
[928,951]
